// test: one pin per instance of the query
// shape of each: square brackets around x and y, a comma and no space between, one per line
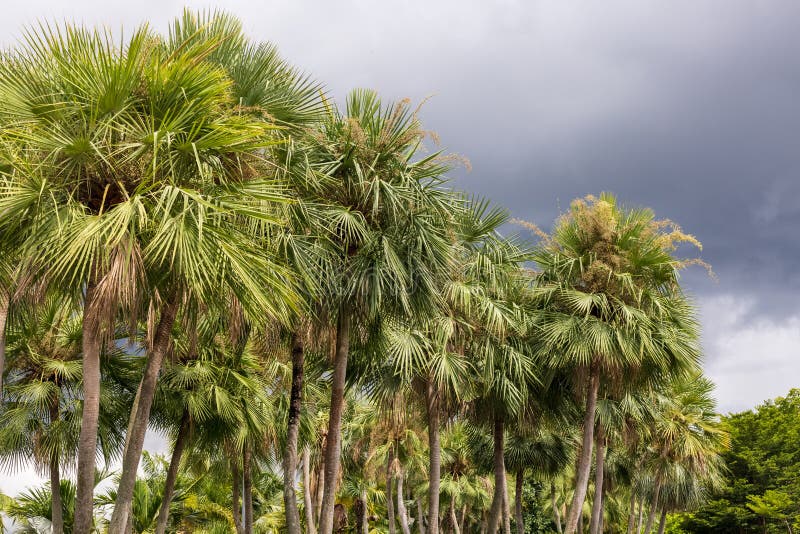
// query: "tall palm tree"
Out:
[611,304]
[386,221]
[465,345]
[129,176]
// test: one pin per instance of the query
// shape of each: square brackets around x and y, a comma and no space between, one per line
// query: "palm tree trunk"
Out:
[639,525]
[389,487]
[334,439]
[248,490]
[654,506]
[632,514]
[236,497]
[601,528]
[140,418]
[4,306]
[401,505]
[518,501]
[290,454]
[663,522]
[585,461]
[172,474]
[506,506]
[420,517]
[597,502]
[453,518]
[463,520]
[57,508]
[87,442]
[556,513]
[496,512]
[320,487]
[364,513]
[435,459]
[311,528]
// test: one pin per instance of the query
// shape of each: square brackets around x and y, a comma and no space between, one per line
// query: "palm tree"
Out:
[540,450]
[267,87]
[622,415]
[386,221]
[686,433]
[204,388]
[43,402]
[611,304]
[130,174]
[466,346]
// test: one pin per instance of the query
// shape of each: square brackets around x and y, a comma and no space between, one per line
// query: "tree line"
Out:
[197,240]
[760,491]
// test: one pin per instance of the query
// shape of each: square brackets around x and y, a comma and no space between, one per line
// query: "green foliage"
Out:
[535,515]
[761,485]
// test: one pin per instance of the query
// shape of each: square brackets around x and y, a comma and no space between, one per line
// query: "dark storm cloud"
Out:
[687,107]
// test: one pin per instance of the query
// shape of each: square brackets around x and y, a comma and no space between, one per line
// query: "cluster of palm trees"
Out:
[196,240]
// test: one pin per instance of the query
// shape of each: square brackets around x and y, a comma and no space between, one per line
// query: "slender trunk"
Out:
[585,461]
[57,516]
[237,497]
[496,513]
[788,527]
[364,513]
[663,522]
[389,487]
[641,516]
[651,517]
[453,518]
[632,514]
[290,454]
[248,491]
[420,517]
[435,460]
[87,443]
[506,507]
[518,501]
[320,487]
[128,432]
[597,502]
[602,526]
[140,418]
[556,513]
[57,508]
[334,438]
[463,517]
[172,473]
[4,305]
[307,505]
[402,512]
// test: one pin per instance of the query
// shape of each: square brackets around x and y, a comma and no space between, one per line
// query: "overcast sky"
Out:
[689,107]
